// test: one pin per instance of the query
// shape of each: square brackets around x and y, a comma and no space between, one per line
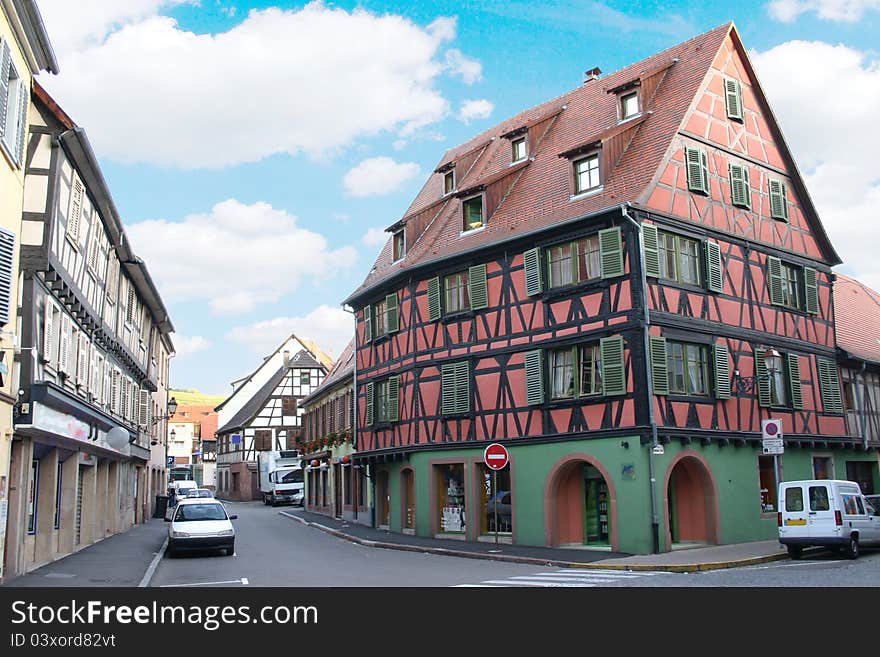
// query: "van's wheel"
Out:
[795,551]
[852,549]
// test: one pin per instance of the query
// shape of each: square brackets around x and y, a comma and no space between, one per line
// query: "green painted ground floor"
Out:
[597,493]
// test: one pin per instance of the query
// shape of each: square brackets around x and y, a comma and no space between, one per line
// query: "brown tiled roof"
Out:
[204,414]
[857,318]
[343,368]
[539,198]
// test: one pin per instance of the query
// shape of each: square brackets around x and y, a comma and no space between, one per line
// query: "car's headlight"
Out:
[177,534]
[226,532]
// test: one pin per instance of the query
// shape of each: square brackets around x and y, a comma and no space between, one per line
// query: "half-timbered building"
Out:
[92,332]
[619,284]
[267,418]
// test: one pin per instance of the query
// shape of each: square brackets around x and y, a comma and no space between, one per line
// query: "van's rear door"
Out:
[820,518]
[794,510]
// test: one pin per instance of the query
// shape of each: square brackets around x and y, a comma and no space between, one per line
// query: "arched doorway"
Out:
[691,502]
[580,505]
[383,499]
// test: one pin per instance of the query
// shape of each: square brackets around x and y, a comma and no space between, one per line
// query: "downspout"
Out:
[860,408]
[645,324]
[354,419]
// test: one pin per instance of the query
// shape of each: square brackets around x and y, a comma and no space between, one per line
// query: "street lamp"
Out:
[772,365]
[172,409]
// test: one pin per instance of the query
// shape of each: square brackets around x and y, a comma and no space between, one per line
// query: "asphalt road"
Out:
[272,550]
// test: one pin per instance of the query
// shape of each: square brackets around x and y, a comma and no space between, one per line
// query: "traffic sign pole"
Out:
[495,497]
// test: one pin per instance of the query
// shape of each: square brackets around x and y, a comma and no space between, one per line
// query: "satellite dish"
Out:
[117,437]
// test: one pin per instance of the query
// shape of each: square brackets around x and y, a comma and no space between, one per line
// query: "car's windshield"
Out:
[199,493]
[196,512]
[293,477]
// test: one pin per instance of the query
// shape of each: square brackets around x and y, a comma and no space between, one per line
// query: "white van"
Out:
[827,513]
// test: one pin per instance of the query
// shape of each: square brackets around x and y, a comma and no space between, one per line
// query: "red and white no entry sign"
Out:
[496,456]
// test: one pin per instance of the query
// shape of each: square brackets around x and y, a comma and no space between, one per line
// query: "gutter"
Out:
[30,24]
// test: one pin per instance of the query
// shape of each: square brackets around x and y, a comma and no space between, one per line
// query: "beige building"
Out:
[24,52]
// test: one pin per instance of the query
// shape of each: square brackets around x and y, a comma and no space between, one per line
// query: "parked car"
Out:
[199,492]
[200,524]
[874,501]
[828,513]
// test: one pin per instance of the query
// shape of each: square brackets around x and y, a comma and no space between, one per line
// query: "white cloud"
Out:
[847,11]
[824,97]
[472,110]
[331,328]
[375,237]
[235,257]
[186,345]
[309,80]
[469,69]
[379,175]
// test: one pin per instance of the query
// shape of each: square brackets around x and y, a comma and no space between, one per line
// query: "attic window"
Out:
[586,174]
[398,245]
[629,105]
[449,182]
[472,211]
[518,147]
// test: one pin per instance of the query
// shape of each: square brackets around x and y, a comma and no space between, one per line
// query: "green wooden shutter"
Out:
[477,287]
[613,366]
[659,368]
[778,203]
[393,398]
[651,245]
[733,98]
[368,323]
[534,278]
[714,277]
[697,173]
[722,371]
[447,388]
[811,287]
[763,381]
[794,381]
[611,252]
[434,299]
[739,186]
[369,404]
[392,325]
[534,378]
[462,387]
[704,165]
[829,385]
[774,279]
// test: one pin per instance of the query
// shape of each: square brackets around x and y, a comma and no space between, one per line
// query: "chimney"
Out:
[286,357]
[592,74]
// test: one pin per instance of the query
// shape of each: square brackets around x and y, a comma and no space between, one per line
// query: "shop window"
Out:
[597,508]
[768,468]
[451,514]
[822,467]
[495,501]
[863,473]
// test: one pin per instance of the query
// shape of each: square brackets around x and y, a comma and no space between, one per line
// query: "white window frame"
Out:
[14,123]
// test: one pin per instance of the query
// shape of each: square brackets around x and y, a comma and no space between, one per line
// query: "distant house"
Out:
[192,440]
[263,413]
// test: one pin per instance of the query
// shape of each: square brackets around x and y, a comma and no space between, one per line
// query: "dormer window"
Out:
[629,105]
[472,211]
[586,174]
[398,245]
[518,147]
[449,182]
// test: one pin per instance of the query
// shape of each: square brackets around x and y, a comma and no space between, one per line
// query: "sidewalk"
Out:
[119,560]
[681,561]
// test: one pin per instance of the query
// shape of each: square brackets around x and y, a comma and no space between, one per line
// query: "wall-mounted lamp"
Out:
[773,364]
[624,444]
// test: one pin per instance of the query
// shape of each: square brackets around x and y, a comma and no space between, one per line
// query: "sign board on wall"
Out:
[771,433]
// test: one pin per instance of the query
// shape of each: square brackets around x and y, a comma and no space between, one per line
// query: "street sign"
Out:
[169,461]
[496,456]
[236,438]
[771,432]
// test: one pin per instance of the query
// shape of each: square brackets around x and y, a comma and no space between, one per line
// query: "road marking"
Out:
[243,581]
[145,581]
[794,565]
[573,577]
[598,573]
[511,582]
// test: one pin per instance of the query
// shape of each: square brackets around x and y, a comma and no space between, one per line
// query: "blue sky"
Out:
[241,139]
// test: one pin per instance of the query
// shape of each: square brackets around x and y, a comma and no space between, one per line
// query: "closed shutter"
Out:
[447,388]
[48,316]
[23,98]
[659,368]
[74,208]
[144,408]
[478,290]
[123,409]
[714,277]
[651,245]
[393,398]
[763,379]
[7,264]
[697,170]
[5,63]
[829,385]
[778,204]
[534,378]
[82,367]
[794,381]
[115,392]
[611,252]
[392,322]
[369,404]
[434,299]
[811,287]
[774,279]
[533,275]
[462,387]
[64,345]
[95,373]
[740,194]
[613,366]
[722,371]
[733,98]
[368,323]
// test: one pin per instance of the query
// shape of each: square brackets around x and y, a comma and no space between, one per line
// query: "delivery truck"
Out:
[281,477]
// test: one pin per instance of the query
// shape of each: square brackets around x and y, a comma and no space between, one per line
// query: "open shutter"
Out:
[463,387]
[697,177]
[778,204]
[714,277]
[5,63]
[64,345]
[739,186]
[94,372]
[532,267]
[47,331]
[114,391]
[733,98]
[659,368]
[794,381]
[722,371]
[763,380]
[477,287]
[23,98]
[144,410]
[434,299]
[369,404]
[393,398]
[447,388]
[613,366]
[534,378]
[829,385]
[82,366]
[651,245]
[811,288]
[611,252]
[774,279]
[74,209]
[7,264]
[392,324]
[106,391]
[368,323]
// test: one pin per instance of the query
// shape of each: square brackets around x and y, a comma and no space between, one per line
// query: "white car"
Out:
[200,523]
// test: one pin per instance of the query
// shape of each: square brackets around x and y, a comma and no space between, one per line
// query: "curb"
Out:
[145,581]
[671,568]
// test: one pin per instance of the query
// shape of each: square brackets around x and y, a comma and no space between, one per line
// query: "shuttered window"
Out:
[7,266]
[370,400]
[651,247]
[792,286]
[455,388]
[263,440]
[613,365]
[387,400]
[611,252]
[687,365]
[477,283]
[457,288]
[697,170]
[659,372]
[75,209]
[740,191]
[434,299]
[392,321]
[368,323]
[577,371]
[778,202]
[721,357]
[679,258]
[714,274]
[733,98]
[14,95]
[794,381]
[811,291]
[532,269]
[534,365]
[829,386]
